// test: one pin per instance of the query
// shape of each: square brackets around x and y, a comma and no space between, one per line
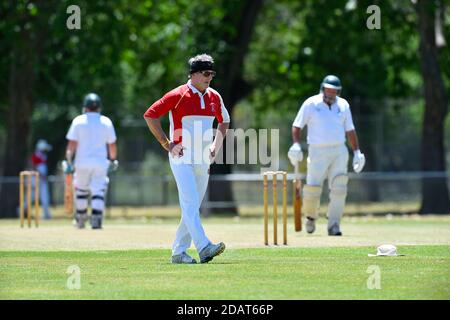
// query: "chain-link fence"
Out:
[367,192]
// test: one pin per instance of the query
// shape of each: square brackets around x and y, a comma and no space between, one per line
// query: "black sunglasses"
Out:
[208,73]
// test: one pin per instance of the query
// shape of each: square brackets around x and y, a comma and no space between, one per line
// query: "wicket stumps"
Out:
[274,175]
[27,176]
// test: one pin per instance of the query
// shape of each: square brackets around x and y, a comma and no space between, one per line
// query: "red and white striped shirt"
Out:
[39,162]
[191,115]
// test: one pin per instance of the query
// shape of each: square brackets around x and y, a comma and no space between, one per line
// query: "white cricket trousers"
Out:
[329,162]
[192,181]
[90,179]
[44,196]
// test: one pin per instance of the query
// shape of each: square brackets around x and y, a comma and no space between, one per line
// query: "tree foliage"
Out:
[270,54]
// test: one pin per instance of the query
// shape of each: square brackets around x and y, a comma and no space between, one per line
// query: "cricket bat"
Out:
[68,194]
[297,200]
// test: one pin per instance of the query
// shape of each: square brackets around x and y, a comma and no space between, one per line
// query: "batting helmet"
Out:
[92,101]
[332,82]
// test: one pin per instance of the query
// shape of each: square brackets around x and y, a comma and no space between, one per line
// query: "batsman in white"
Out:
[329,121]
[192,108]
[92,140]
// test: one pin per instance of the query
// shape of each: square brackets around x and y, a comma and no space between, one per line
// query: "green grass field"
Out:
[131,260]
[294,273]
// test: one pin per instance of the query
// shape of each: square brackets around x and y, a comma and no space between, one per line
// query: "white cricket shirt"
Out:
[326,126]
[93,132]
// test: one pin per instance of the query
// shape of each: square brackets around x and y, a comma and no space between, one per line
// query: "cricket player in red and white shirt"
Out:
[192,108]
[39,161]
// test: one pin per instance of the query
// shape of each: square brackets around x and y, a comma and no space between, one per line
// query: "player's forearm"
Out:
[296,134]
[112,151]
[220,134]
[353,139]
[70,150]
[155,128]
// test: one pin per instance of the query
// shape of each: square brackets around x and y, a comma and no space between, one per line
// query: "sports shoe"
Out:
[210,251]
[334,230]
[80,220]
[183,258]
[310,225]
[96,221]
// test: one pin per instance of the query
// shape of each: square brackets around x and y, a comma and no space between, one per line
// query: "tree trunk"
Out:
[18,123]
[233,88]
[435,197]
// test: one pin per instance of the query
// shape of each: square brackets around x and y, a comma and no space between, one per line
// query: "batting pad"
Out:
[311,200]
[338,193]
[81,200]
[98,202]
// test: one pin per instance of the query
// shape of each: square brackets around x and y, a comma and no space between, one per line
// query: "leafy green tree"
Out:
[434,190]
[50,67]
[271,55]
[225,30]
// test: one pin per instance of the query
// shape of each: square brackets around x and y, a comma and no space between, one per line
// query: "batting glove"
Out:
[67,167]
[113,165]
[359,160]
[295,153]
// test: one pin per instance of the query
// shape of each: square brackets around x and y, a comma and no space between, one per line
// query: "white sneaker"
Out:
[310,225]
[210,251]
[183,258]
[96,221]
[334,230]
[80,220]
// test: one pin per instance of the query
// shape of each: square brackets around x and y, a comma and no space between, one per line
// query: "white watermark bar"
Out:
[251,146]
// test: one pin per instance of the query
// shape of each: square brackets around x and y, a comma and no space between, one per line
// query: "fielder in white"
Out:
[92,140]
[39,161]
[329,121]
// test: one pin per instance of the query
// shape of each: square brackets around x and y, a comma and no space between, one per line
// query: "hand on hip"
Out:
[176,149]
